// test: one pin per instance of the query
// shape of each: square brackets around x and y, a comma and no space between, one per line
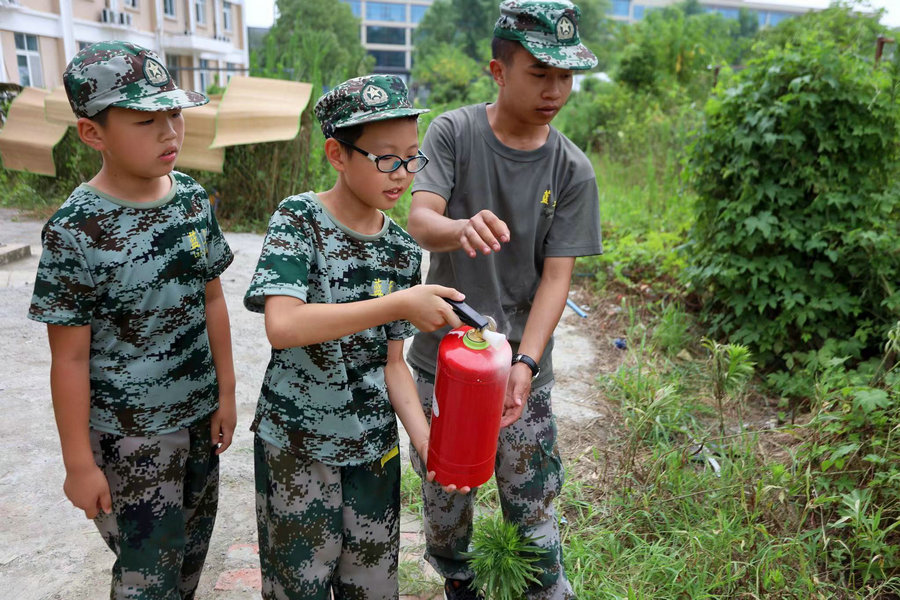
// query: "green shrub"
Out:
[852,463]
[795,244]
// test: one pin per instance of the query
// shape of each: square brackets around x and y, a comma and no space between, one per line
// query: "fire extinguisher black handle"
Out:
[467,314]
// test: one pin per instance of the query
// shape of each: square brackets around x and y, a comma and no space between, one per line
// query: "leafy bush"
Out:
[798,209]
[852,458]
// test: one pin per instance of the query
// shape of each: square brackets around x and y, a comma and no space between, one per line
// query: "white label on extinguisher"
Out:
[435,411]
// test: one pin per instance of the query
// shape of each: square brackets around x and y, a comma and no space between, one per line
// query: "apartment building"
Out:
[768,14]
[387,31]
[201,41]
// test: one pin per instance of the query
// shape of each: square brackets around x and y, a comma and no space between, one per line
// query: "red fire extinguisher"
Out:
[469,388]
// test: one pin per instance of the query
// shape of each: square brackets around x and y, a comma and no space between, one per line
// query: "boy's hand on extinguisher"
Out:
[449,489]
[517,391]
[425,308]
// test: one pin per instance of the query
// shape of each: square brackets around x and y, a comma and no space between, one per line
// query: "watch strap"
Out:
[524,358]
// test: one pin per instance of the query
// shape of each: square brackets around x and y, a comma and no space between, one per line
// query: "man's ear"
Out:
[91,133]
[498,71]
[335,154]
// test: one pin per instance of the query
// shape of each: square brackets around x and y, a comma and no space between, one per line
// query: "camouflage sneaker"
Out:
[123,74]
[460,589]
[548,29]
[363,100]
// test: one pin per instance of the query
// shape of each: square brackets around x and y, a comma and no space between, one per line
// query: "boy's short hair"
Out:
[350,134]
[364,100]
[123,74]
[548,29]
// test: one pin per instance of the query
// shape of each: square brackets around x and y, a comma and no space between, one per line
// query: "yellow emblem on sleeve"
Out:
[391,454]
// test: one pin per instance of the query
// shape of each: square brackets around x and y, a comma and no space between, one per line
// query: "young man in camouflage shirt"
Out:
[505,207]
[337,280]
[128,284]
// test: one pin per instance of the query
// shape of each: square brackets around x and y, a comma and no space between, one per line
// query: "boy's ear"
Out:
[335,154]
[497,71]
[90,133]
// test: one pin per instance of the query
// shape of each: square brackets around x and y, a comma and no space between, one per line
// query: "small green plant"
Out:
[502,559]
[730,368]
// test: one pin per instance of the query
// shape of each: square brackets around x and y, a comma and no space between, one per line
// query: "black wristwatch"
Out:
[524,358]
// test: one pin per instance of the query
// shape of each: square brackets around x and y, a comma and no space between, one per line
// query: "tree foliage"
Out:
[677,46]
[798,216]
[315,41]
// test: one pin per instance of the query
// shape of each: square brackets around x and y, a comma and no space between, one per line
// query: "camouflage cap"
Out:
[122,74]
[363,100]
[548,29]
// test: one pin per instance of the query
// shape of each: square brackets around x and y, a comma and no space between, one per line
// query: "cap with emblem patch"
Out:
[363,100]
[123,74]
[548,29]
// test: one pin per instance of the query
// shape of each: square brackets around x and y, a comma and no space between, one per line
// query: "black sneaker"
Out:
[460,589]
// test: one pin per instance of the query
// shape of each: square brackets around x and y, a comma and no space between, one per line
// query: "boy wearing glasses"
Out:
[337,281]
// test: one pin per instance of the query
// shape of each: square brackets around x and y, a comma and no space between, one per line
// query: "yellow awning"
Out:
[199,131]
[253,110]
[256,109]
[27,140]
[57,109]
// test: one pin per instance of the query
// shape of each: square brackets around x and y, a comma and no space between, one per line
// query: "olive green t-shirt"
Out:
[547,197]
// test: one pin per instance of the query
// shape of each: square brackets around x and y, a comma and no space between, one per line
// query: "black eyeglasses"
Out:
[388,163]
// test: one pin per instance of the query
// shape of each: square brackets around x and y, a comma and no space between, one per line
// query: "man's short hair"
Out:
[503,50]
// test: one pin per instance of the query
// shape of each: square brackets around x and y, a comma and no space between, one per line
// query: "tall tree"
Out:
[315,41]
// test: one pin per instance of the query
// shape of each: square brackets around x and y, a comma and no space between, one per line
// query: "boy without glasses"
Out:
[337,281]
[128,284]
[505,207]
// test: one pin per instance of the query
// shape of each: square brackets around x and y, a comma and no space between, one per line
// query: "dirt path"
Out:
[48,550]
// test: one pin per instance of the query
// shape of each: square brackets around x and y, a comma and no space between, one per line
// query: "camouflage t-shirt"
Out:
[136,273]
[329,401]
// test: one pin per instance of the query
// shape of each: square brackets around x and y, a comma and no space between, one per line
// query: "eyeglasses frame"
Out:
[404,162]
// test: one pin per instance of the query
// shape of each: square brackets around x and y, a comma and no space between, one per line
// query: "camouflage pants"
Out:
[325,528]
[165,491]
[529,476]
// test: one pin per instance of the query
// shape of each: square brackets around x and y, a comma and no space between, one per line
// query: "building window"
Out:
[355,7]
[383,11]
[416,12]
[385,35]
[388,58]
[83,45]
[169,8]
[226,15]
[200,11]
[28,58]
[639,11]
[620,8]
[130,4]
[230,71]
[776,17]
[204,75]
[172,67]
[727,12]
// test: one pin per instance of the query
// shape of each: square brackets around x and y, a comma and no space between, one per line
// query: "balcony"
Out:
[188,42]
